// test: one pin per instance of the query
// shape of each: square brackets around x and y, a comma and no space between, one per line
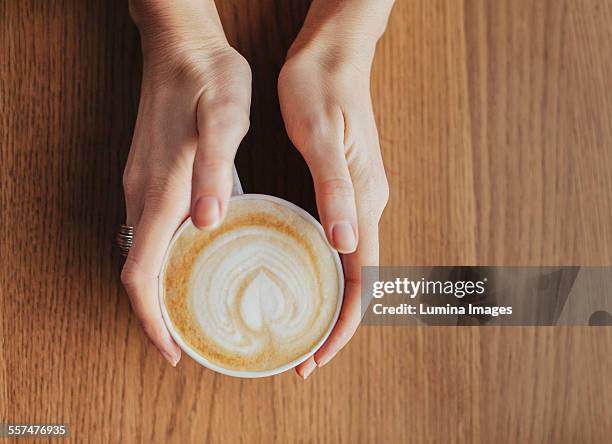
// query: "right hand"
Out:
[193,113]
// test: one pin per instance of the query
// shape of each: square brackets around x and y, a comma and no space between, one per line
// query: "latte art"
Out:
[256,293]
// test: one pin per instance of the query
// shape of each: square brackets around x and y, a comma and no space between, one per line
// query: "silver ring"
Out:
[125,238]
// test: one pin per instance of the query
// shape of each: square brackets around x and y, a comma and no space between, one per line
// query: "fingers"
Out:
[350,315]
[140,272]
[306,368]
[323,151]
[221,129]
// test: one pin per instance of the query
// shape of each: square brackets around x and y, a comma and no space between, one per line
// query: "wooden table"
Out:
[495,122]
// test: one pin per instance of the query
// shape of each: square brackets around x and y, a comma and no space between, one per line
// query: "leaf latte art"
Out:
[256,293]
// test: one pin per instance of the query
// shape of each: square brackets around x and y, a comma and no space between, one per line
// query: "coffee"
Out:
[260,291]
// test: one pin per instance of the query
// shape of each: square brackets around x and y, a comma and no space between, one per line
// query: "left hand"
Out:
[194,111]
[324,93]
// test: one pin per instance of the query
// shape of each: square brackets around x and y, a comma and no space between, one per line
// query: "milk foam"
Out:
[258,292]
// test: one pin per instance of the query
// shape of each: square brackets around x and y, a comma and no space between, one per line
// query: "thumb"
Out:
[335,194]
[221,128]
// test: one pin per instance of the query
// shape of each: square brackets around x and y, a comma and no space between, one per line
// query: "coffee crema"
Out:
[256,293]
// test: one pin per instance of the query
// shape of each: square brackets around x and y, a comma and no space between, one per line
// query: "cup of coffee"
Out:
[255,296]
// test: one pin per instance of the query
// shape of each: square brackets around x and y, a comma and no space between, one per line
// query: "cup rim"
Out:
[193,354]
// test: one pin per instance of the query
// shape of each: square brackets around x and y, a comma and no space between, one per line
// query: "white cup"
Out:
[240,373]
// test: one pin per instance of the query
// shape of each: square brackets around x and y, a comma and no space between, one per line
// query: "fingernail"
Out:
[323,360]
[207,212]
[343,237]
[170,351]
[309,368]
[172,359]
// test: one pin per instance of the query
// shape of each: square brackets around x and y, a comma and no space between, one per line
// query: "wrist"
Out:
[174,27]
[343,29]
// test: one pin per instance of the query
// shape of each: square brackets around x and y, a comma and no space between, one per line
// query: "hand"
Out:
[193,113]
[325,102]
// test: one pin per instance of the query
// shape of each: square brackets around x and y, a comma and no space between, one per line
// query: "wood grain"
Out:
[494,119]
